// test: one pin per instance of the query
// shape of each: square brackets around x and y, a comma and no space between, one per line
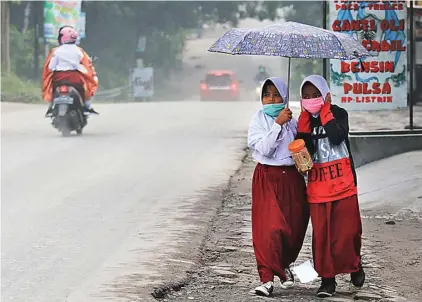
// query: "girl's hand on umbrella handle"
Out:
[284,116]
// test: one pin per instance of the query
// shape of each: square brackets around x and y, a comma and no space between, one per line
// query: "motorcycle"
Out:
[68,110]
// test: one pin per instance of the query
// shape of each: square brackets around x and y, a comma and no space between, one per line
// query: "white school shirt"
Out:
[67,57]
[269,141]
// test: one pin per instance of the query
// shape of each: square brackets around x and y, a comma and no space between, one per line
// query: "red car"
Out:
[220,85]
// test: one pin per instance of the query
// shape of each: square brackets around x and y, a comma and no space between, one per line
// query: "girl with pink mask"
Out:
[332,187]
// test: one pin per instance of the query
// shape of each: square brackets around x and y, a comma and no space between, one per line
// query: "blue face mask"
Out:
[273,110]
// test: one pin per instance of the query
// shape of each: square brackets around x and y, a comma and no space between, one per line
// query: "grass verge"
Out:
[16,89]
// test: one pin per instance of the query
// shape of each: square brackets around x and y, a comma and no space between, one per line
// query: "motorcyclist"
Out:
[69,63]
[262,75]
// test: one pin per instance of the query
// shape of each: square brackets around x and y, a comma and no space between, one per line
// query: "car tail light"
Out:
[64,89]
[204,86]
[233,86]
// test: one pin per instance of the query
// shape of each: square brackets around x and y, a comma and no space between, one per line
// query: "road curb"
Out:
[161,291]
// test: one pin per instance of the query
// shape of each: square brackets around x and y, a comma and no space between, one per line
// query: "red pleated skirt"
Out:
[280,216]
[337,236]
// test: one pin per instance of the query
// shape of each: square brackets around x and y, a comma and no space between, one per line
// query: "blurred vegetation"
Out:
[18,84]
[113,29]
[18,89]
[164,24]
[22,55]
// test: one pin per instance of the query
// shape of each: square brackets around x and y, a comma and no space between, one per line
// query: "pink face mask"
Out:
[313,106]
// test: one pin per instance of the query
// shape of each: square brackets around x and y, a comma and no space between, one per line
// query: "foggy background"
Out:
[108,215]
[176,38]
[177,35]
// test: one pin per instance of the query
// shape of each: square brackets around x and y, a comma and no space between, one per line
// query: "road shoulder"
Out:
[228,269]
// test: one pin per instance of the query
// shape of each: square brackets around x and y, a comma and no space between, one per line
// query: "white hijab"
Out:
[319,82]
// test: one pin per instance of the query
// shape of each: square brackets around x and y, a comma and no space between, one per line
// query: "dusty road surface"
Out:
[107,215]
[391,208]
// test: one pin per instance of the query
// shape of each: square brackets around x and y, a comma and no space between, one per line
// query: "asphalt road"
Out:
[96,217]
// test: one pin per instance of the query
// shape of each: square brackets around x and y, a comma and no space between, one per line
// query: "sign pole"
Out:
[412,65]
[324,21]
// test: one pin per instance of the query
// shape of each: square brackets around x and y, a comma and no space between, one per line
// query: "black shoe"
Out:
[49,112]
[327,288]
[358,278]
[90,110]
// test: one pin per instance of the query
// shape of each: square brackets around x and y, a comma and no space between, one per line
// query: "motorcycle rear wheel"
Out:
[65,132]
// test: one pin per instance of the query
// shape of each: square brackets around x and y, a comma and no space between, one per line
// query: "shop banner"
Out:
[57,14]
[377,82]
[143,82]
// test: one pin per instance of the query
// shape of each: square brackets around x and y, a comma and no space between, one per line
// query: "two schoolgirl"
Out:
[282,202]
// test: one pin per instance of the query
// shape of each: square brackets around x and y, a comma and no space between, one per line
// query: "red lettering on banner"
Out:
[367,66]
[372,5]
[386,6]
[367,99]
[367,88]
[356,25]
[394,45]
[392,25]
[370,80]
[374,99]
[347,6]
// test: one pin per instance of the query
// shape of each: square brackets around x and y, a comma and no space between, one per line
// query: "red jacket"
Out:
[333,176]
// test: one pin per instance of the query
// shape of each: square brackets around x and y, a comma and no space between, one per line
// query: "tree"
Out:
[5,36]
[113,29]
[6,22]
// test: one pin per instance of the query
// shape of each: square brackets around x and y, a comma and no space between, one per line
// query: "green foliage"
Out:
[163,50]
[16,89]
[22,52]
[113,29]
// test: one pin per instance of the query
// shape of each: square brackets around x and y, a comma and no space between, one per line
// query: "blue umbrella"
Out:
[291,40]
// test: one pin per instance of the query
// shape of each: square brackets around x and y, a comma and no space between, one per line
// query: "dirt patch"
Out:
[398,245]
[228,271]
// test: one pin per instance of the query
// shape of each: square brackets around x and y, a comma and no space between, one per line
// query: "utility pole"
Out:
[324,21]
[412,64]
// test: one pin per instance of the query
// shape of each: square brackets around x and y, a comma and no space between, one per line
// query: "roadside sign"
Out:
[143,82]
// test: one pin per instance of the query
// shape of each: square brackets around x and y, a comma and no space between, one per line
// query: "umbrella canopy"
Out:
[291,40]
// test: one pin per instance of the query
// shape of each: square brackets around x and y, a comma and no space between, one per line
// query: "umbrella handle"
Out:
[288,81]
